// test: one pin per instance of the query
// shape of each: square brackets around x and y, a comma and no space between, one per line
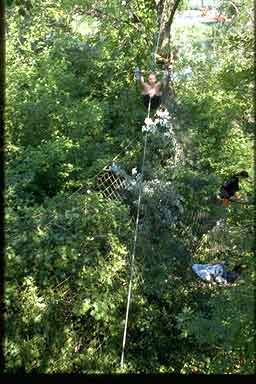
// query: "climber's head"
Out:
[152,79]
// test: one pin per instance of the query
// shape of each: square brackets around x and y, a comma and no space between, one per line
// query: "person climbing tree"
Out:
[152,89]
[231,186]
[216,272]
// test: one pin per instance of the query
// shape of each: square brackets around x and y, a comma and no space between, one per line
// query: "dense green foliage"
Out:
[72,107]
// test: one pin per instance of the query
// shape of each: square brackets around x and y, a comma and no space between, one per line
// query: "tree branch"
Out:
[99,14]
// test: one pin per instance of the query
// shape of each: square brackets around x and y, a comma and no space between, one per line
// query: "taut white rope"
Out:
[134,244]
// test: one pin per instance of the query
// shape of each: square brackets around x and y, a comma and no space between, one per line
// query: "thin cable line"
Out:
[138,210]
[134,244]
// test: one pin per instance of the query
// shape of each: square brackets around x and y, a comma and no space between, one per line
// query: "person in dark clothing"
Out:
[231,186]
[152,89]
[232,276]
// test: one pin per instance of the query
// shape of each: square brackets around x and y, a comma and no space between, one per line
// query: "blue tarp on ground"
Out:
[210,272]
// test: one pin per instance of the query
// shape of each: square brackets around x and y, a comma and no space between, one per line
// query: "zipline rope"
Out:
[134,243]
[138,209]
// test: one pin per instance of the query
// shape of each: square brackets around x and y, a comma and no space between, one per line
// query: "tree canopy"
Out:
[73,107]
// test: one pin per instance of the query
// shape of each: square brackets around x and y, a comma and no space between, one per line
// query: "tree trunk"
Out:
[165,10]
